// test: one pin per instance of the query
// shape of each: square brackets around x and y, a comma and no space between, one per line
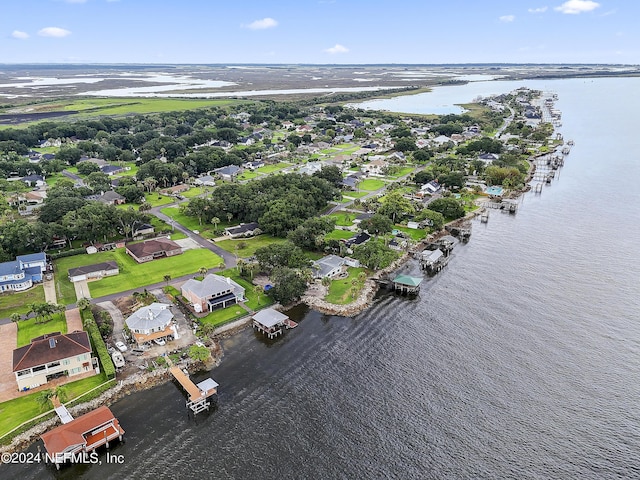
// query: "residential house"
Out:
[358,239]
[111,169]
[246,141]
[253,165]
[243,230]
[51,356]
[151,323]
[310,168]
[36,181]
[205,181]
[181,187]
[330,266]
[229,172]
[304,129]
[441,140]
[23,272]
[488,158]
[93,272]
[110,198]
[361,217]
[143,229]
[350,182]
[152,249]
[212,292]
[430,188]
[376,166]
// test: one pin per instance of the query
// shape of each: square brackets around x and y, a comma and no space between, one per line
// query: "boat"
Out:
[118,359]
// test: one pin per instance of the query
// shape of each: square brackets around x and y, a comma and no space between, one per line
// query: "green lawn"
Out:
[402,171]
[251,244]
[29,329]
[350,193]
[344,219]
[157,200]
[123,106]
[254,301]
[192,192]
[345,290]
[132,275]
[339,235]
[247,175]
[206,229]
[415,234]
[273,168]
[224,315]
[16,302]
[371,184]
[17,411]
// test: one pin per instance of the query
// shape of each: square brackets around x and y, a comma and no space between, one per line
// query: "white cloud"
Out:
[507,18]
[19,35]
[54,32]
[574,7]
[262,24]
[337,48]
[537,10]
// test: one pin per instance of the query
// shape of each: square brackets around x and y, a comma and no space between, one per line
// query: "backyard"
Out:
[345,290]
[17,302]
[371,184]
[132,275]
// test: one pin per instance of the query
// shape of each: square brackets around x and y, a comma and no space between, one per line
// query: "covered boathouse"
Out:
[271,322]
[80,436]
[407,284]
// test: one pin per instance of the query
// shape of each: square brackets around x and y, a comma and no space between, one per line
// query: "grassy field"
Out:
[17,302]
[247,175]
[132,275]
[371,184]
[29,329]
[415,234]
[402,171]
[251,244]
[345,290]
[20,410]
[206,229]
[273,168]
[349,193]
[157,200]
[344,219]
[192,192]
[339,235]
[123,106]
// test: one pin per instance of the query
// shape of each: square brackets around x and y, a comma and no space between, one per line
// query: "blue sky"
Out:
[319,31]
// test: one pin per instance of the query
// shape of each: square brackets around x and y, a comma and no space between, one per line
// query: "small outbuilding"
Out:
[270,322]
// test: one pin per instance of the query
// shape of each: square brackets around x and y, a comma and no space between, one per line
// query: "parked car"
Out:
[121,346]
[159,341]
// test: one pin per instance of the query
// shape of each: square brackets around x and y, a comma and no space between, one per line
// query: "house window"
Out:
[66,361]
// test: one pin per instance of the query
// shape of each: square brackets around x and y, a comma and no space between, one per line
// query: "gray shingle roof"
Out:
[211,286]
[269,317]
[154,316]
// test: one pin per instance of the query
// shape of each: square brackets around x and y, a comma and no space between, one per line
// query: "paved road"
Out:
[73,177]
[230,260]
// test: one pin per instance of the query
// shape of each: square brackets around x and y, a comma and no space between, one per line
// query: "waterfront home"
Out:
[328,267]
[243,230]
[151,249]
[51,356]
[214,291]
[407,284]
[93,272]
[23,272]
[82,435]
[151,323]
[270,322]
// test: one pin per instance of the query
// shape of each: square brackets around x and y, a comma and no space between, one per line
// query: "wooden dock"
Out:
[198,394]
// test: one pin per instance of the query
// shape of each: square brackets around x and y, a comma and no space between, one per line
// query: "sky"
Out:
[320,31]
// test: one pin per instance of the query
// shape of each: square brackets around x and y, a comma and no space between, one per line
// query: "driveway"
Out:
[8,342]
[118,319]
[74,320]
[50,291]
[82,289]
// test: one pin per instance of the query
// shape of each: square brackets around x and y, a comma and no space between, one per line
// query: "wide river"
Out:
[519,360]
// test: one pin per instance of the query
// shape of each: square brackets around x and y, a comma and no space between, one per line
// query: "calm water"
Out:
[519,360]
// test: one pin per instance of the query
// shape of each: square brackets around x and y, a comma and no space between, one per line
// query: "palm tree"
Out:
[83,303]
[229,216]
[203,270]
[15,317]
[215,221]
[167,278]
[258,289]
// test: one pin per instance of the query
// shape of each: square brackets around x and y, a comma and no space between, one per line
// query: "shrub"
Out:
[98,344]
[67,253]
